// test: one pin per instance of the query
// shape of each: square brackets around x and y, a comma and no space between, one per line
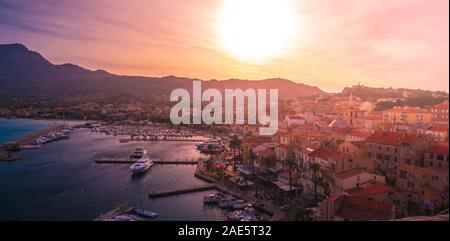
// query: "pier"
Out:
[206,187]
[26,139]
[114,160]
[106,160]
[121,209]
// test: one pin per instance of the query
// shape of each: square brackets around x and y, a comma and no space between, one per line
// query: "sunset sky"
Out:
[331,43]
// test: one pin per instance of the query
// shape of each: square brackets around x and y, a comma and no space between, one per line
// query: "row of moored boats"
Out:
[240,209]
[52,136]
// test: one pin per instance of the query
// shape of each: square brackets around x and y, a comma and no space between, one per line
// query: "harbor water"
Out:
[60,181]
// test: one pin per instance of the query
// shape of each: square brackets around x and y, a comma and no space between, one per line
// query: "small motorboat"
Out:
[146,213]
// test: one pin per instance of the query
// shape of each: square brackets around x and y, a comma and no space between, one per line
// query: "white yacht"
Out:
[141,165]
[138,153]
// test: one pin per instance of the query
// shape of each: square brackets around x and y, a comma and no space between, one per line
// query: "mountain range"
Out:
[25,73]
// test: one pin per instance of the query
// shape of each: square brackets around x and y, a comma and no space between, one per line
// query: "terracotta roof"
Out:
[374,189]
[441,106]
[369,204]
[408,110]
[359,134]
[392,138]
[356,214]
[353,190]
[322,153]
[443,150]
[359,144]
[349,173]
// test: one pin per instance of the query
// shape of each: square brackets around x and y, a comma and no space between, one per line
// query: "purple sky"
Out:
[398,43]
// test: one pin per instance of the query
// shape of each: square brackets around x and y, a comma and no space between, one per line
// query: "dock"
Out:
[121,209]
[113,160]
[26,139]
[107,160]
[165,193]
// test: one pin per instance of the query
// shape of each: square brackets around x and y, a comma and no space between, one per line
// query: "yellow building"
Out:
[407,115]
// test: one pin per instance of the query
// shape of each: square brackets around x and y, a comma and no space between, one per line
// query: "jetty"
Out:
[115,160]
[121,209]
[106,160]
[26,139]
[198,188]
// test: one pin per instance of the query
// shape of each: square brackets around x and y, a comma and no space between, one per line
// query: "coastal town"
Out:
[333,158]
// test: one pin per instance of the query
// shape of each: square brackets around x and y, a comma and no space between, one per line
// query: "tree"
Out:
[269,161]
[252,157]
[234,143]
[315,168]
[290,164]
[303,214]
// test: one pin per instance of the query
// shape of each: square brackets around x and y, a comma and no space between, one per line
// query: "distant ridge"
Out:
[26,73]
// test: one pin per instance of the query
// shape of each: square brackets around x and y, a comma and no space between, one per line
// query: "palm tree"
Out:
[290,164]
[252,158]
[315,168]
[234,143]
[270,161]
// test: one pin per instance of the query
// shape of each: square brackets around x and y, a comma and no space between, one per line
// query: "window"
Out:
[387,158]
[440,157]
[431,164]
[431,156]
[379,156]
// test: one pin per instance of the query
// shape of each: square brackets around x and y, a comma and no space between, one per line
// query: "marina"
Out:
[146,132]
[91,190]
[156,155]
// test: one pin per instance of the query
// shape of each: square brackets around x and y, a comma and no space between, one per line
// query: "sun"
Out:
[256,30]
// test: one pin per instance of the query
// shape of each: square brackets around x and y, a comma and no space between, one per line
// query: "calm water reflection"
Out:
[61,181]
